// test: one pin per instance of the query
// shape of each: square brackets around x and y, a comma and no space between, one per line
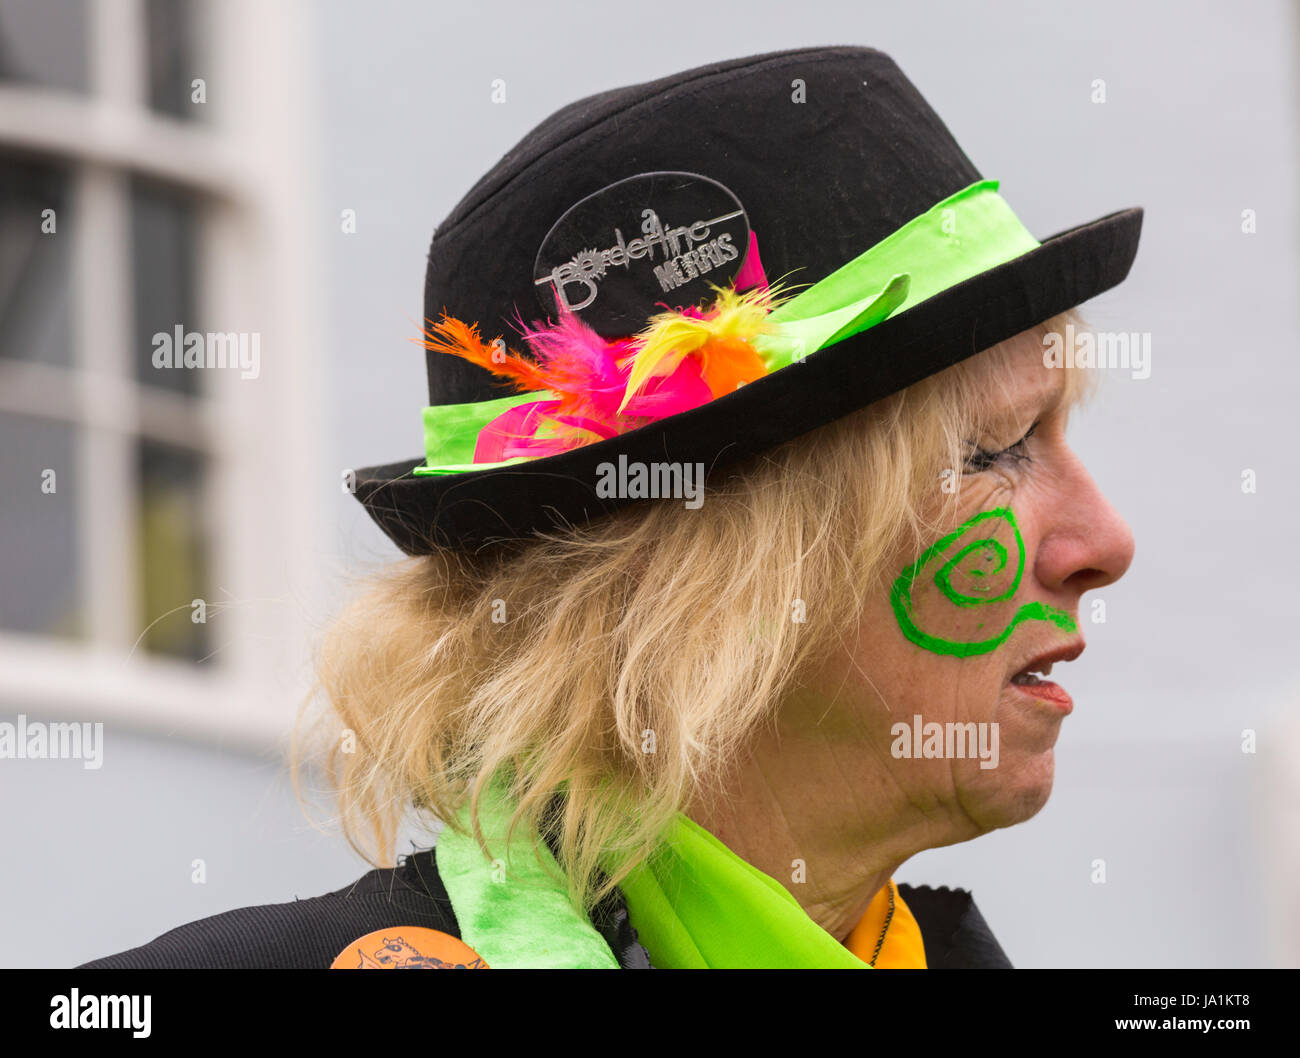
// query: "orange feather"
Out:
[726,363]
[456,338]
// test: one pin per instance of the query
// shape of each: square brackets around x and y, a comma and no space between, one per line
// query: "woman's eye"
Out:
[982,459]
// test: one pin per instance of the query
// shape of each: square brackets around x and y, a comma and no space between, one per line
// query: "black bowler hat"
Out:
[645,207]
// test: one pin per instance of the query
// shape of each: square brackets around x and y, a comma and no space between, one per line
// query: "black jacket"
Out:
[308,934]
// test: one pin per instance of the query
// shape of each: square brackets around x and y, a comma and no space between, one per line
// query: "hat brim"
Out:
[473,509]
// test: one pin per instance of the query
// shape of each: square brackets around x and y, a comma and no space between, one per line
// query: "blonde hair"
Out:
[638,655]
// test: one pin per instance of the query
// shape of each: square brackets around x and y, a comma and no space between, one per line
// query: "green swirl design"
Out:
[977,574]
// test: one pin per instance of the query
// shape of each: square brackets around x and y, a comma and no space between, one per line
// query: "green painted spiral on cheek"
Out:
[978,573]
[975,568]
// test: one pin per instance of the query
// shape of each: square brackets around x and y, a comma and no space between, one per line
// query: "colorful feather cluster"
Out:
[600,387]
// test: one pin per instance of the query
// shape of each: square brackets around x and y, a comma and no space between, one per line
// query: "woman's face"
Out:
[938,687]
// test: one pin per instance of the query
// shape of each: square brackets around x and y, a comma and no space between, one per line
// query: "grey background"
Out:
[1200,123]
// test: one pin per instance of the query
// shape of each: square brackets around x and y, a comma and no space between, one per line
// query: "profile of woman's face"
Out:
[943,696]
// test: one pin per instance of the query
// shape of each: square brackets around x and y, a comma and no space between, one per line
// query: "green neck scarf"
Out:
[697,905]
[694,903]
[514,909]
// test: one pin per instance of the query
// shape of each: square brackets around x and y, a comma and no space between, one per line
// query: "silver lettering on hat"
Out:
[695,262]
[680,265]
[619,251]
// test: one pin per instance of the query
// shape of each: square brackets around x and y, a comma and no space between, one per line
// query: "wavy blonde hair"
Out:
[628,664]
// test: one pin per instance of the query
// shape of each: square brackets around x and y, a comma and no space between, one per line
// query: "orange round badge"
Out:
[408,948]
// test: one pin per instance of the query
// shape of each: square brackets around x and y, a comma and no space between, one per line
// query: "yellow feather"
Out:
[669,336]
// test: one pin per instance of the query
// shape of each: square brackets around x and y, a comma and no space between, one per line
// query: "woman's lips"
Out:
[1044,690]
[1032,679]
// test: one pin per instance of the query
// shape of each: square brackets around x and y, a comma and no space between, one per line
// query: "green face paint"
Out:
[971,568]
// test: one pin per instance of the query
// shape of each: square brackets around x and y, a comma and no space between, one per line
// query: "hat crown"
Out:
[828,150]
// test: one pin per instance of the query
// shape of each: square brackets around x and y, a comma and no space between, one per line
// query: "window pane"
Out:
[173,53]
[43,42]
[164,234]
[174,548]
[35,261]
[39,581]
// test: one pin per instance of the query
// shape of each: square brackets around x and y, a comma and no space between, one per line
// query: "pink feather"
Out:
[589,377]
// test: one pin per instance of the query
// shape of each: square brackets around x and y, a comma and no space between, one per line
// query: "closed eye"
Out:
[982,459]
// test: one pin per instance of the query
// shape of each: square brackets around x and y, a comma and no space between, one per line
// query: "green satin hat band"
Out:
[967,233]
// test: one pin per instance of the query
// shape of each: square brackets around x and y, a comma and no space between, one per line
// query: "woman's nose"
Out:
[1084,543]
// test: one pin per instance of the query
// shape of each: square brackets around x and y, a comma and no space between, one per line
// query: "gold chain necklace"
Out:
[888,919]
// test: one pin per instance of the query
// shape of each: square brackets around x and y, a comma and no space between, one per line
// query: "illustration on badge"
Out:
[414,948]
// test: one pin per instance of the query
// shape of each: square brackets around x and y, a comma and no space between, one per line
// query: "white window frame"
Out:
[248,165]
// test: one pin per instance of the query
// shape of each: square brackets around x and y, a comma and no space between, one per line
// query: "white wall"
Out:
[107,861]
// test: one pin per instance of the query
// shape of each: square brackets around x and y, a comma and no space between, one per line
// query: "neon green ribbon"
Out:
[694,903]
[514,911]
[451,431]
[796,336]
[960,237]
[697,905]
[967,233]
